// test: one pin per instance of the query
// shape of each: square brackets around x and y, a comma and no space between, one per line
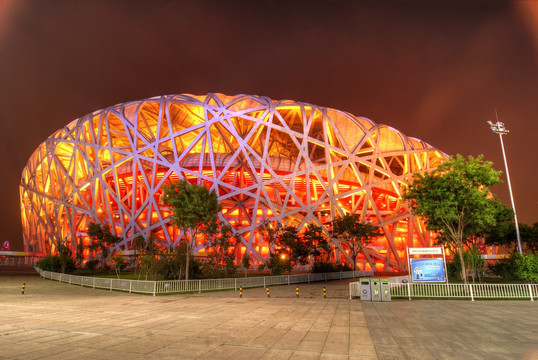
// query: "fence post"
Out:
[288,279]
[111,284]
[154,287]
[199,286]
[409,290]
[530,291]
[130,285]
[264,281]
[235,286]
[94,283]
[471,289]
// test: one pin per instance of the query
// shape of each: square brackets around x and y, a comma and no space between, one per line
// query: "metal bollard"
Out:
[268,295]
[241,292]
[297,292]
[23,288]
[324,292]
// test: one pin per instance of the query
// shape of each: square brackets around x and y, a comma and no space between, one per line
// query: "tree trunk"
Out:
[463,269]
[187,260]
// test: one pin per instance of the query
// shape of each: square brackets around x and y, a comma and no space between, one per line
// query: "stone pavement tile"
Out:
[360,332]
[102,354]
[222,352]
[269,338]
[382,338]
[304,355]
[391,353]
[417,352]
[247,353]
[444,353]
[362,349]
[315,336]
[42,351]
[105,341]
[340,347]
[71,354]
[311,345]
[339,329]
[65,338]
[11,349]
[276,354]
[335,357]
[289,343]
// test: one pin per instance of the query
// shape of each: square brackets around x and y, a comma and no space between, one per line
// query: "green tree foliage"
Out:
[455,200]
[64,254]
[504,234]
[317,241]
[194,207]
[526,266]
[477,264]
[356,234]
[119,263]
[54,264]
[220,248]
[102,240]
[246,262]
[289,247]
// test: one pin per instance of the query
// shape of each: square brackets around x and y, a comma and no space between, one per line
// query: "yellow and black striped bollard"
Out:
[297,292]
[241,292]
[23,288]
[268,294]
[324,292]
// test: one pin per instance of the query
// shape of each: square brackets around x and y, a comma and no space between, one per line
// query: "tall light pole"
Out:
[498,128]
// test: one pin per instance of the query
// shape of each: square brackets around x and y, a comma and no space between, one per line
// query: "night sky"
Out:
[435,70]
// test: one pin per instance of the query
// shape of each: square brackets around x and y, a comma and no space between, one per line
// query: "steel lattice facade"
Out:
[288,161]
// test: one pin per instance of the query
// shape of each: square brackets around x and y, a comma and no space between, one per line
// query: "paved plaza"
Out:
[60,321]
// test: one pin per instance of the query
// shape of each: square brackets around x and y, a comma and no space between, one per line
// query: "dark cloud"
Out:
[434,70]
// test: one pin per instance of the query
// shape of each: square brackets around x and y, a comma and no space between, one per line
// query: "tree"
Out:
[356,234]
[119,263]
[455,200]
[317,241]
[503,233]
[289,246]
[526,266]
[194,207]
[246,262]
[473,257]
[220,245]
[64,254]
[104,240]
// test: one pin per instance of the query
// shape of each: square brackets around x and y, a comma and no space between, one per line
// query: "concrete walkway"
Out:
[53,320]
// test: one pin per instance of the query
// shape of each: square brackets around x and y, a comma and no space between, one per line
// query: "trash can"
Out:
[385,290]
[366,293]
[375,285]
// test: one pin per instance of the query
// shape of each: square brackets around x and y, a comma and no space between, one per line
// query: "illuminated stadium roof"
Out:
[288,161]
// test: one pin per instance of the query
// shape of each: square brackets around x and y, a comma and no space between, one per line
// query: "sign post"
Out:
[431,267]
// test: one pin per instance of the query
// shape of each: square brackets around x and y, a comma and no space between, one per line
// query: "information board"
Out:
[428,270]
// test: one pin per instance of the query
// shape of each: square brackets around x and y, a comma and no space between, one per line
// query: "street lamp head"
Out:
[498,128]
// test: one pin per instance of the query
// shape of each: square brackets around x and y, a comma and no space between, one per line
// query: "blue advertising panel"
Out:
[428,270]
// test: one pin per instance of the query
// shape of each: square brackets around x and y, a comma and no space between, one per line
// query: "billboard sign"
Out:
[428,270]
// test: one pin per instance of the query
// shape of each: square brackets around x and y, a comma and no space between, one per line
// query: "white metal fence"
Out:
[189,286]
[466,291]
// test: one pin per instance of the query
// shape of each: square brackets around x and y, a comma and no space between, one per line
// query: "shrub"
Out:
[53,263]
[91,265]
[327,266]
[526,266]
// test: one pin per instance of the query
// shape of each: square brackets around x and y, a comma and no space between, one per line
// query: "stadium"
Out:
[287,161]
